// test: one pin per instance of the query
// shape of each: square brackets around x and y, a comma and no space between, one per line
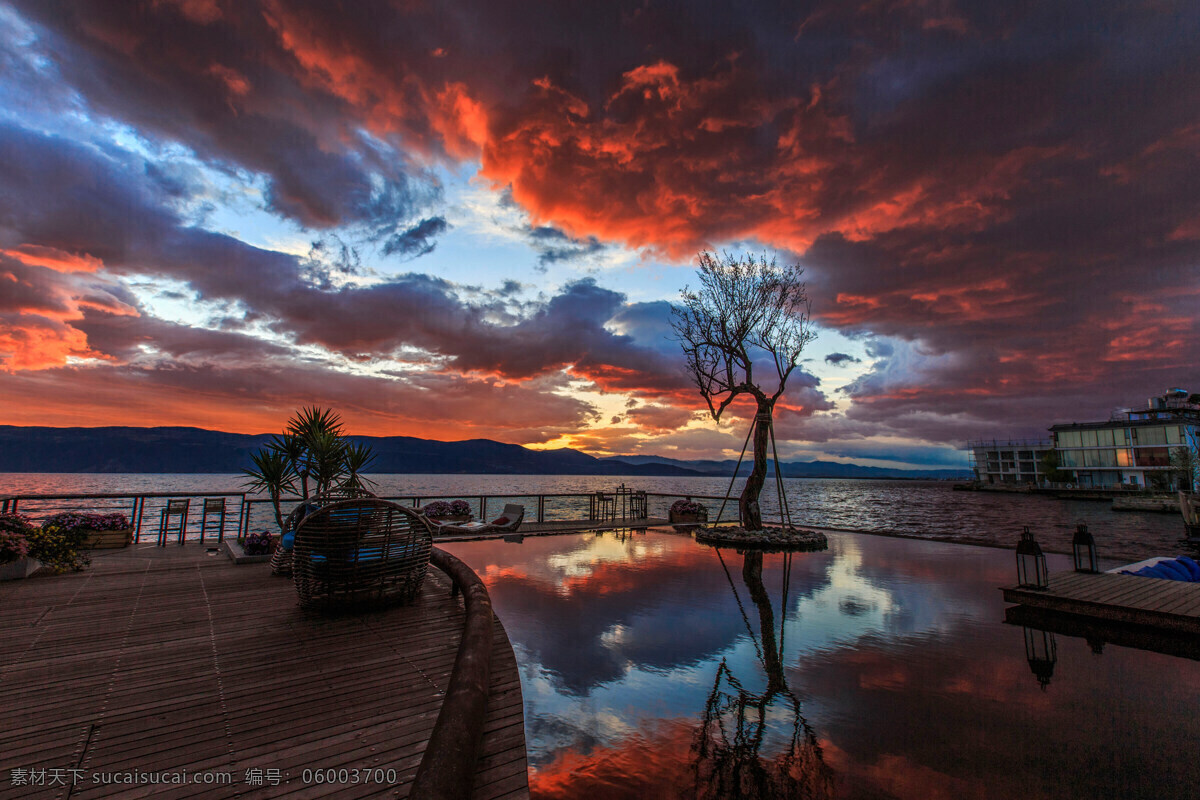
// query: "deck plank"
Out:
[167,659]
[1152,602]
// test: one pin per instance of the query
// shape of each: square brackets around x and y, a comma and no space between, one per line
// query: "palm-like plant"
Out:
[311,450]
[274,474]
[358,458]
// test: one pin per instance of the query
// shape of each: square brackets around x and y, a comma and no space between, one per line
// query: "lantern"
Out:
[1083,549]
[1031,563]
[1042,652]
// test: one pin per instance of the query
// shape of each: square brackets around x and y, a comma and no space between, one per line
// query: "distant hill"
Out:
[803,469]
[119,449]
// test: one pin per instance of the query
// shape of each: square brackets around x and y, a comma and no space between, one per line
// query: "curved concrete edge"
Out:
[447,770]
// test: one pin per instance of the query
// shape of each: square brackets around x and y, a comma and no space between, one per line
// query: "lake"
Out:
[918,509]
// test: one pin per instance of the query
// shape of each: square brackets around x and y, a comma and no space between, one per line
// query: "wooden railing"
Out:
[255,512]
[134,506]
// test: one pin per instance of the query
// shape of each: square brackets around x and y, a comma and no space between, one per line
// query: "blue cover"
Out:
[1191,566]
[1175,571]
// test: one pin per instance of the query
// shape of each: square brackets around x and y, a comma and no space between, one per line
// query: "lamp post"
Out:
[1031,563]
[1083,550]
[1042,653]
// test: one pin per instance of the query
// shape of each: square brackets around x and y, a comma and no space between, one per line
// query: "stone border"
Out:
[774,539]
[447,769]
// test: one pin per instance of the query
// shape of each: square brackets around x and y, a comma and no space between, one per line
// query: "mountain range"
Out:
[195,450]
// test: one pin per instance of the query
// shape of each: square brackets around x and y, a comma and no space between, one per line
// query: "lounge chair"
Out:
[281,559]
[508,522]
[359,552]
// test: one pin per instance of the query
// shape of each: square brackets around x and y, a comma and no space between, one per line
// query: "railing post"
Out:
[483,508]
[141,506]
[541,508]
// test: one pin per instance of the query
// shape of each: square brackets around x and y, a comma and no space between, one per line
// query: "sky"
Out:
[469,220]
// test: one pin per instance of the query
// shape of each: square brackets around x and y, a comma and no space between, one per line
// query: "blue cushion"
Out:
[395,551]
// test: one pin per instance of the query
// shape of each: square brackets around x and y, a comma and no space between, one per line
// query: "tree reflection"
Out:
[726,753]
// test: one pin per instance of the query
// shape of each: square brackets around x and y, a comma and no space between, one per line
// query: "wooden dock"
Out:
[175,662]
[1151,602]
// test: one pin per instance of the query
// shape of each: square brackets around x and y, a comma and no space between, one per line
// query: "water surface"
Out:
[656,667]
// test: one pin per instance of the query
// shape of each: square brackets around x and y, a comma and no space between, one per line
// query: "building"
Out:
[1149,447]
[1137,447]
[1013,461]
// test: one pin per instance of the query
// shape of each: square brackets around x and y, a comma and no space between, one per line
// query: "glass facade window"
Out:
[1124,458]
[1089,438]
[1174,434]
[1153,456]
[1154,435]
[1069,439]
[1105,438]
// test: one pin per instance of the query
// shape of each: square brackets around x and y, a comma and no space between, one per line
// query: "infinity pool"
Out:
[653,666]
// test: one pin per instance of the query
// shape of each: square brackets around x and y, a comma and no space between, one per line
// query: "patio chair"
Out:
[603,506]
[175,508]
[508,522]
[360,552]
[214,506]
[281,559]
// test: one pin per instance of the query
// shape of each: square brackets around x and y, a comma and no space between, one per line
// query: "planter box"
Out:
[237,554]
[687,519]
[107,540]
[21,568]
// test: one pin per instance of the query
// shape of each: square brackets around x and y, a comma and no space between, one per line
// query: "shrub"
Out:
[688,507]
[440,508]
[258,544]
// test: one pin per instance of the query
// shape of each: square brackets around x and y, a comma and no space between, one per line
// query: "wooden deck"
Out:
[1152,602]
[165,660]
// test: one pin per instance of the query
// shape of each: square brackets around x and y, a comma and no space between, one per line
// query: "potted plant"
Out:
[98,531]
[453,511]
[687,512]
[15,561]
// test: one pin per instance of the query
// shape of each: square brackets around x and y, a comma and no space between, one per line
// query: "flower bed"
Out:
[773,539]
[15,562]
[93,531]
[260,543]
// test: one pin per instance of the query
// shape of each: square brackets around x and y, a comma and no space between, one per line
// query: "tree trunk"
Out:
[752,567]
[748,503]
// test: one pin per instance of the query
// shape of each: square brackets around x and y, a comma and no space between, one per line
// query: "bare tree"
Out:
[746,314]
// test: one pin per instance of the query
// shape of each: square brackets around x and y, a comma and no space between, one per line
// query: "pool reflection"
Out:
[656,667]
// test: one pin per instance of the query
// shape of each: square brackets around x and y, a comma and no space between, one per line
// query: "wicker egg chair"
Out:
[360,552]
[281,559]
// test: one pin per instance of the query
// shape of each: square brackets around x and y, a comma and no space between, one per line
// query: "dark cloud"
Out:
[841,359]
[552,245]
[999,198]
[417,240]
